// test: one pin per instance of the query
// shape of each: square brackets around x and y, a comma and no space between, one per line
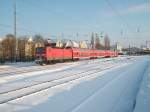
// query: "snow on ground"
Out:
[39,71]
[143,97]
[7,66]
[16,73]
[112,92]
[47,75]
[114,88]
[20,64]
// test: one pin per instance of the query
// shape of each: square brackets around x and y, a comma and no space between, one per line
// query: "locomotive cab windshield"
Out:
[40,50]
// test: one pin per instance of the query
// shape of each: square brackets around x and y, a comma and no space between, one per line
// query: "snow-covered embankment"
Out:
[115,91]
[118,95]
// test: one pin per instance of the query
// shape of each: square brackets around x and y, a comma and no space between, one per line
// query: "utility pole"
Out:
[77,35]
[15,32]
[92,41]
[15,29]
[121,33]
[129,50]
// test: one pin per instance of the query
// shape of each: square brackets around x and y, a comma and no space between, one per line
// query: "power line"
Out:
[23,29]
[15,21]
[118,14]
[37,6]
[15,28]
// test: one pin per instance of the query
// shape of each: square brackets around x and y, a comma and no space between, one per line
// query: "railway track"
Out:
[34,88]
[35,82]
[22,70]
[26,75]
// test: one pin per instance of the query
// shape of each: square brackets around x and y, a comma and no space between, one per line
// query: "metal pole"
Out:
[15,30]
[129,50]
[15,33]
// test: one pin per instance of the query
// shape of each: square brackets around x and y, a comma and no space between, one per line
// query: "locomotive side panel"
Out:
[67,54]
[57,54]
[49,53]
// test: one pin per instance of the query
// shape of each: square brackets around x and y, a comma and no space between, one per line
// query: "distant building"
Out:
[83,44]
[29,47]
[117,47]
[146,46]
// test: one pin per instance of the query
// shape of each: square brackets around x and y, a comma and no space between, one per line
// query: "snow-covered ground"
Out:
[143,97]
[101,85]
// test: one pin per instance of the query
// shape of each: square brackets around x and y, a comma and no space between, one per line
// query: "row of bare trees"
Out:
[20,49]
[23,48]
[97,44]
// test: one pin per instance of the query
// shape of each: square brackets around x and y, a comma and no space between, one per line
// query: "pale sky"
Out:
[126,21]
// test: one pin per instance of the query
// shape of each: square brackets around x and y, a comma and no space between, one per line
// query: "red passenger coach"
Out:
[48,54]
[75,54]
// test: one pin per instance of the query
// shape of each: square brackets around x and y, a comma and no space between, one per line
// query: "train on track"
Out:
[51,53]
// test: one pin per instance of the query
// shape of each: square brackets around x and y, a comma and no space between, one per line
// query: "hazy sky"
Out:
[127,21]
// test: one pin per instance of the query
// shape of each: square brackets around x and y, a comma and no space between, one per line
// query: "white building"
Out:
[118,47]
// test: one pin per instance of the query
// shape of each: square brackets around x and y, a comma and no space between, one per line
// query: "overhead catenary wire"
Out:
[118,14]
[136,33]
[38,7]
[18,28]
[31,31]
[15,28]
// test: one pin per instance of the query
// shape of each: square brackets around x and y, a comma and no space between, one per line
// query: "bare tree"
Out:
[9,45]
[26,48]
[1,51]
[21,48]
[38,38]
[92,41]
[106,42]
[38,41]
[97,42]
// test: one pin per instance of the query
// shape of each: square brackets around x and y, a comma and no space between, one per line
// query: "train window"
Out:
[76,53]
[40,49]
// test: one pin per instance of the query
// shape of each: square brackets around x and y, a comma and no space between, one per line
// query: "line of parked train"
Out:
[48,54]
